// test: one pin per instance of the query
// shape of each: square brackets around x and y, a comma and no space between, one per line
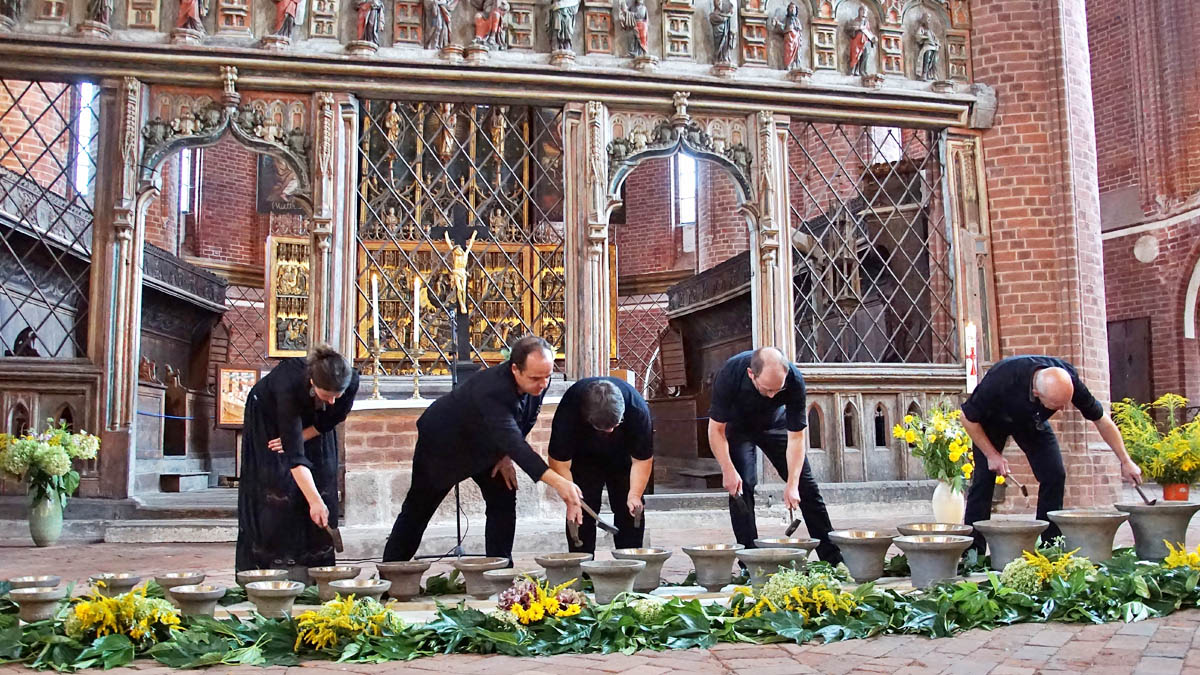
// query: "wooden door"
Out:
[1129,370]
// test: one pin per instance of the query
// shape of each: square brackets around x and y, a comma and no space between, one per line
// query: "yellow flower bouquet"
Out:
[528,601]
[145,621]
[1168,453]
[942,444]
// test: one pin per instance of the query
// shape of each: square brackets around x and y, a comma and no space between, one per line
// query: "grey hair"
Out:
[603,405]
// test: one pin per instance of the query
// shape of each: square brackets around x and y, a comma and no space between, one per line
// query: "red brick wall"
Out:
[162,214]
[1044,207]
[43,152]
[1157,290]
[722,231]
[230,228]
[1110,37]
[644,241]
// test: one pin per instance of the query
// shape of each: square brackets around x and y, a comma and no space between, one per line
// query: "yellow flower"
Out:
[910,436]
[967,470]
[898,431]
[999,480]
[908,419]
[1181,557]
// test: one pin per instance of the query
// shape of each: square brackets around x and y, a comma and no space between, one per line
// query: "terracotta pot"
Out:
[1175,492]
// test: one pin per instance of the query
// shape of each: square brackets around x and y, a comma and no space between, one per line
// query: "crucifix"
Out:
[460,238]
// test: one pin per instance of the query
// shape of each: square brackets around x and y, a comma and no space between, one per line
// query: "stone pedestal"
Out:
[477,54]
[361,48]
[563,58]
[933,558]
[863,551]
[405,578]
[186,36]
[1154,524]
[1007,540]
[799,74]
[872,81]
[942,86]
[612,577]
[276,43]
[451,53]
[95,29]
[725,70]
[713,564]
[645,63]
[1089,530]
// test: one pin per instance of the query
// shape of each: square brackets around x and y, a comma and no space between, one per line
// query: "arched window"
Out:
[849,424]
[65,415]
[18,420]
[881,426]
[816,430]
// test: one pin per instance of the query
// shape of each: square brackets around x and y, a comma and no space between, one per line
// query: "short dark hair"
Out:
[527,345]
[603,405]
[763,355]
[328,369]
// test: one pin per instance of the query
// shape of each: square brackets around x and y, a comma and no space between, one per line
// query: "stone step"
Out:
[183,482]
[170,531]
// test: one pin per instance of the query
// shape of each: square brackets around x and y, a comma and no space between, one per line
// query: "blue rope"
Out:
[165,417]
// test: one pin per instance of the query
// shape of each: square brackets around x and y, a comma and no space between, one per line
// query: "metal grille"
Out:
[246,319]
[641,320]
[873,263]
[48,144]
[466,188]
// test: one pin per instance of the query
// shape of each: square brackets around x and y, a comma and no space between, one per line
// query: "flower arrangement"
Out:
[144,620]
[809,593]
[529,601]
[1181,557]
[1167,454]
[1031,572]
[344,619]
[44,460]
[942,444]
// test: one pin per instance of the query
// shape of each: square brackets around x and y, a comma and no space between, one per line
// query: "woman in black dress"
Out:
[287,491]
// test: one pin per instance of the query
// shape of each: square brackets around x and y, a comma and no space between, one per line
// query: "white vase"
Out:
[948,505]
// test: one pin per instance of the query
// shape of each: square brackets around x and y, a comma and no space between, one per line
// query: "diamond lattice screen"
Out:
[873,262]
[641,320]
[48,139]
[444,183]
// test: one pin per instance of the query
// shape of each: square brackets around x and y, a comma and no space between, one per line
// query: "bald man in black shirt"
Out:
[1016,399]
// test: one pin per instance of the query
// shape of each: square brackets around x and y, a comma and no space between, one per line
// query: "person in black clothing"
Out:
[1016,399]
[288,481]
[602,435]
[477,431]
[758,399]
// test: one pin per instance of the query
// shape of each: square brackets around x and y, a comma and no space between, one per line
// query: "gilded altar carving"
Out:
[288,260]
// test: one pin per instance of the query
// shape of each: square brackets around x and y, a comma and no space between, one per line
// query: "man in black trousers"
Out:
[758,400]
[603,436]
[1016,399]
[477,431]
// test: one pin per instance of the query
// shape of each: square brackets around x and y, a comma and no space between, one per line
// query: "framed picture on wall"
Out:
[233,387]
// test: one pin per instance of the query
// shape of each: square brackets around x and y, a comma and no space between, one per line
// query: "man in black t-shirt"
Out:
[602,436]
[758,399]
[1016,399]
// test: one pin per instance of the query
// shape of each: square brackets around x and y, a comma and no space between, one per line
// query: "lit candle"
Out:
[416,312]
[375,308]
[972,356]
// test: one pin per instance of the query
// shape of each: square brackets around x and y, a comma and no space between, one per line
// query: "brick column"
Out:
[1044,208]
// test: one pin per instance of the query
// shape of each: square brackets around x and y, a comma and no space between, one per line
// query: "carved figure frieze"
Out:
[636,136]
[791,28]
[723,18]
[285,17]
[439,13]
[192,14]
[562,24]
[863,42]
[10,12]
[929,51]
[492,23]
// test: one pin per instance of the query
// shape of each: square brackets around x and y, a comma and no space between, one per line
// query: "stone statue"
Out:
[11,10]
[635,18]
[285,17]
[391,127]
[191,15]
[562,24]
[793,36]
[439,12]
[930,50]
[100,11]
[370,13]
[862,43]
[491,24]
[459,269]
[724,27]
